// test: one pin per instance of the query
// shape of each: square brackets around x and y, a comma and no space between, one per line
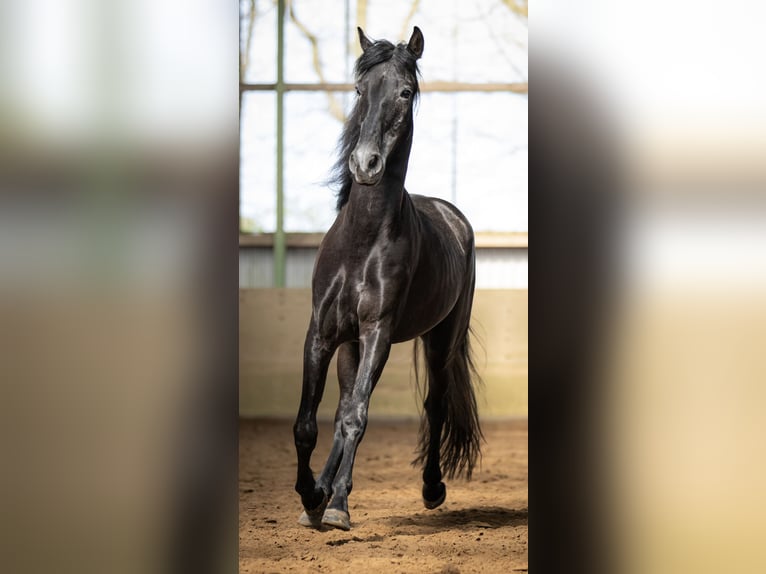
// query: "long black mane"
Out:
[379,52]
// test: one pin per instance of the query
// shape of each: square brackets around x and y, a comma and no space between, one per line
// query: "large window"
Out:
[470,143]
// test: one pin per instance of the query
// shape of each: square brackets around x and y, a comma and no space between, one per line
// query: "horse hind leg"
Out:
[450,435]
[434,490]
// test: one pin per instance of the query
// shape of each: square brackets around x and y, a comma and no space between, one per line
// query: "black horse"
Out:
[393,267]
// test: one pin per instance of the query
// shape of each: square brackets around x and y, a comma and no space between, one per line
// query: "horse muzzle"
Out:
[366,165]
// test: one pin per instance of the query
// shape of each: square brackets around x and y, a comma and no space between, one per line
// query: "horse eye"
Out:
[358,93]
[406,94]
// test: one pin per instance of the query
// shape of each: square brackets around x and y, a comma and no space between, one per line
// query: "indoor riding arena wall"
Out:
[273,325]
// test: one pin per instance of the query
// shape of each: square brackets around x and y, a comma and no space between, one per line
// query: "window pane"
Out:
[318,43]
[468,148]
[477,41]
[257,170]
[471,149]
[492,171]
[431,161]
[311,132]
[491,41]
[258,40]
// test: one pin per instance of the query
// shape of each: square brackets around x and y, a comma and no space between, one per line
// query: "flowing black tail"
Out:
[461,435]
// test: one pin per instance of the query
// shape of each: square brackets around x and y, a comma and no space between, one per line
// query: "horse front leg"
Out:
[375,346]
[348,366]
[317,353]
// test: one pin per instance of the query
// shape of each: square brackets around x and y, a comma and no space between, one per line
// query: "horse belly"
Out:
[420,315]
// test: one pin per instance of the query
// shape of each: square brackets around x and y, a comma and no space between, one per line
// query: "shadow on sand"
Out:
[465,519]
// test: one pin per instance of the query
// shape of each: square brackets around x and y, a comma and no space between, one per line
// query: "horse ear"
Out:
[415,45]
[364,41]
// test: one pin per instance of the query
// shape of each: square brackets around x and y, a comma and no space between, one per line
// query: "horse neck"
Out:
[383,205]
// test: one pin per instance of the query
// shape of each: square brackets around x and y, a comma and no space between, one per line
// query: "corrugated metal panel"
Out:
[502,268]
[495,268]
[300,266]
[256,267]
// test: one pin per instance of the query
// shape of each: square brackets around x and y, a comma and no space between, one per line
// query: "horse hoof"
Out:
[336,519]
[433,496]
[309,520]
[313,518]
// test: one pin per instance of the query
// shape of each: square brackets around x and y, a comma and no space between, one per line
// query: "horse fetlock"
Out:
[340,491]
[432,478]
[315,501]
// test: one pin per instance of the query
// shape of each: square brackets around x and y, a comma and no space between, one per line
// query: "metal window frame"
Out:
[279,238]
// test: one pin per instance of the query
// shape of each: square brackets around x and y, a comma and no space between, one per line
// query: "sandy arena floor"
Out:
[482,526]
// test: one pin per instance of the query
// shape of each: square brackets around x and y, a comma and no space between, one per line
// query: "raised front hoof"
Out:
[313,518]
[434,495]
[336,519]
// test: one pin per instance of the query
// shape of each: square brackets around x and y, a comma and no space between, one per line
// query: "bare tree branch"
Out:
[500,43]
[244,57]
[335,108]
[518,7]
[406,26]
[361,21]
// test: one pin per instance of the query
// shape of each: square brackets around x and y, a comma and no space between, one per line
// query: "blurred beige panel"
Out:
[95,393]
[693,155]
[273,325]
[685,416]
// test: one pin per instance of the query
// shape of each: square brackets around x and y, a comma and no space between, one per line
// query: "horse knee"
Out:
[353,425]
[305,435]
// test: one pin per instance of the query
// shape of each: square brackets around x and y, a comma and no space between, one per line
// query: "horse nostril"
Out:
[373,162]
